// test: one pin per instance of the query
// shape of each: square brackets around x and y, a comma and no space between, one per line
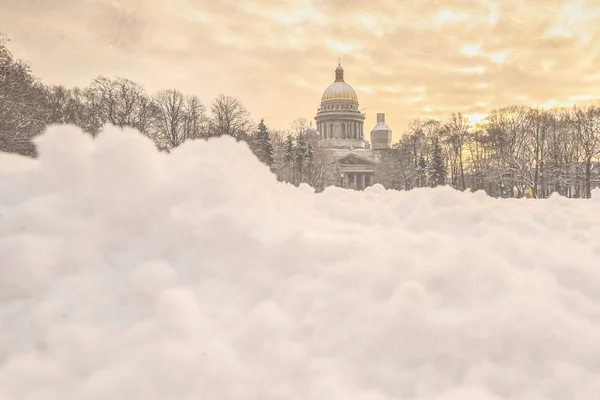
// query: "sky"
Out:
[428,294]
[408,59]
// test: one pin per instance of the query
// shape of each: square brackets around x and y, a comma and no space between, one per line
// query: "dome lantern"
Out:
[339,89]
[339,73]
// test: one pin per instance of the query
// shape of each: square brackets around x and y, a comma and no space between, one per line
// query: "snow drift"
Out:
[127,274]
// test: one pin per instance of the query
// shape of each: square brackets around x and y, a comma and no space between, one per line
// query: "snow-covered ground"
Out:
[131,274]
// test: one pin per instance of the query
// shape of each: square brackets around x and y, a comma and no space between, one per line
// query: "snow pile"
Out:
[596,194]
[132,274]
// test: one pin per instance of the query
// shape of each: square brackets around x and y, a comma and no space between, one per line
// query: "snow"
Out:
[132,274]
[596,194]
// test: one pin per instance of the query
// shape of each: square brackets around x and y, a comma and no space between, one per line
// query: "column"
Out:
[355,181]
[361,181]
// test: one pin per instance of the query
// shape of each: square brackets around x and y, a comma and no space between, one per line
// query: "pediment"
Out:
[353,159]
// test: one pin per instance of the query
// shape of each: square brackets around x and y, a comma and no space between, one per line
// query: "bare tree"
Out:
[476,159]
[94,115]
[298,126]
[563,153]
[195,121]
[455,136]
[323,170]
[586,126]
[121,102]
[419,136]
[59,103]
[229,117]
[536,145]
[171,117]
[506,140]
[396,169]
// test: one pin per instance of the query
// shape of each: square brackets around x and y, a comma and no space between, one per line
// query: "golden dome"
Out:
[339,89]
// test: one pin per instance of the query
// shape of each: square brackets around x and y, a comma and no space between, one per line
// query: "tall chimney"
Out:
[380,118]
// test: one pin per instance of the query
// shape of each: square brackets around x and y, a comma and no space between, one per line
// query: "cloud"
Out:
[525,52]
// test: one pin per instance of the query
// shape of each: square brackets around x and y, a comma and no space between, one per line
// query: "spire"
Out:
[339,73]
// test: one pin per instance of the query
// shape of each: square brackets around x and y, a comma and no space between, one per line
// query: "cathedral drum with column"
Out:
[339,120]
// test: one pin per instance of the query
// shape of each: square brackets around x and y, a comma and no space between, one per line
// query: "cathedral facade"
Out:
[340,129]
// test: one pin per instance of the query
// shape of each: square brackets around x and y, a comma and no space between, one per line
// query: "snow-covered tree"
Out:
[261,144]
[437,171]
[300,156]
[289,157]
[22,104]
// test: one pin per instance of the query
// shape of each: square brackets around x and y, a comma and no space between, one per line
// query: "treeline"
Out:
[168,117]
[299,159]
[516,151]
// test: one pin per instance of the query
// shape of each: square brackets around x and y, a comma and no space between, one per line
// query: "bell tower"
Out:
[381,134]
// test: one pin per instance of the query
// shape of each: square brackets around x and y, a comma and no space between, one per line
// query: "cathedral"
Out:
[340,129]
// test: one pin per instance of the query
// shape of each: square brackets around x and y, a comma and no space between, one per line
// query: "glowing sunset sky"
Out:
[408,59]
